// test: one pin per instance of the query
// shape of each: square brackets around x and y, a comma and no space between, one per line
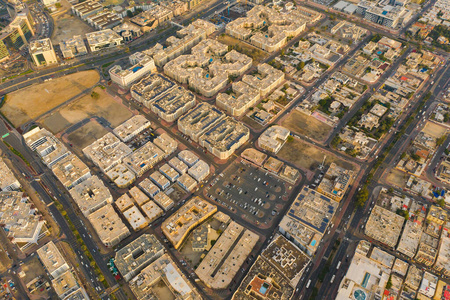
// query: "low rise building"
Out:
[274,274]
[163,201]
[242,98]
[46,145]
[67,285]
[141,64]
[186,38]
[124,202]
[269,28]
[129,129]
[173,104]
[379,220]
[255,156]
[437,215]
[138,196]
[356,281]
[169,172]
[286,258]
[8,182]
[266,80]
[108,225]
[104,20]
[137,255]
[149,187]
[427,251]
[86,8]
[90,195]
[121,176]
[199,119]
[178,165]
[428,285]
[103,39]
[410,238]
[225,137]
[160,180]
[135,218]
[335,182]
[107,152]
[20,220]
[199,171]
[71,171]
[151,88]
[414,277]
[167,144]
[166,270]
[128,31]
[52,260]
[144,158]
[188,157]
[273,138]
[226,257]
[152,211]
[207,68]
[442,264]
[42,52]
[308,219]
[187,182]
[73,47]
[177,227]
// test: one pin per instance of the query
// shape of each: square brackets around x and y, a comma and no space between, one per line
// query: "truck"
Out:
[309,282]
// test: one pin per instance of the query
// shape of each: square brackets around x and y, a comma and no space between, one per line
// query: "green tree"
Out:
[95,95]
[362,197]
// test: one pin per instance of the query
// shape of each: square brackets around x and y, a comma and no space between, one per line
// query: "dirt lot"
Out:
[67,25]
[87,134]
[255,53]
[29,103]
[308,156]
[397,178]
[87,107]
[300,123]
[434,129]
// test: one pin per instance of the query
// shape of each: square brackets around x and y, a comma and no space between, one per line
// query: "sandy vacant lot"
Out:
[300,123]
[86,134]
[308,156]
[434,129]
[67,25]
[29,103]
[87,107]
[397,178]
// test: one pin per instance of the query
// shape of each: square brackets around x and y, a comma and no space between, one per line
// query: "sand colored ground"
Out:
[87,107]
[29,103]
[300,123]
[397,178]
[434,129]
[67,25]
[308,156]
[86,135]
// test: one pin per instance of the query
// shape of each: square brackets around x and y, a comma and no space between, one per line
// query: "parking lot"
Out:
[249,191]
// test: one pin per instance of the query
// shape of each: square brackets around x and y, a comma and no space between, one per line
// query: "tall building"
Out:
[15,35]
[42,52]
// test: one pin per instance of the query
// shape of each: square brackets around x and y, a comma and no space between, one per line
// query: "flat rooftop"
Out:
[186,218]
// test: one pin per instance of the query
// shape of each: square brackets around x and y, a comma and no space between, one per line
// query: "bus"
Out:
[309,282]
